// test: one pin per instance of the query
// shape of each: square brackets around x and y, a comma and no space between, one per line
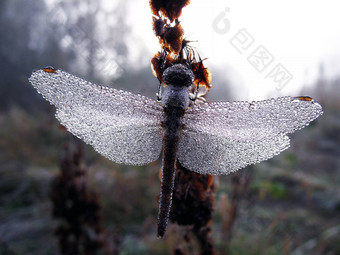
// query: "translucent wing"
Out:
[220,138]
[122,126]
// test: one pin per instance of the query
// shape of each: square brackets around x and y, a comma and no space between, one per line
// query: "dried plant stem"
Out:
[77,209]
[193,205]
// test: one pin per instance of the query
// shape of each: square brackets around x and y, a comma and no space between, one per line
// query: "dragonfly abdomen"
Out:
[172,125]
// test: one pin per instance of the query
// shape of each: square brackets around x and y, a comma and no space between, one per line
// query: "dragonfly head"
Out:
[178,75]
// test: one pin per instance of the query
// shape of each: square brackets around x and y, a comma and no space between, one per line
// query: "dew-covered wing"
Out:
[122,126]
[220,138]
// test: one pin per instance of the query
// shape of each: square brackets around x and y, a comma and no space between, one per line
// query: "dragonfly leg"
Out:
[193,98]
[159,92]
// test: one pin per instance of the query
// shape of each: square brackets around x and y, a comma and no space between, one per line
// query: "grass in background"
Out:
[292,205]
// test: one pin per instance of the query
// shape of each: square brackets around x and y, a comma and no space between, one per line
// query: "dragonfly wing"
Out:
[121,140]
[220,138]
[210,154]
[122,126]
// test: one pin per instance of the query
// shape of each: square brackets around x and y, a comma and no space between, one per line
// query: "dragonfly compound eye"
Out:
[178,75]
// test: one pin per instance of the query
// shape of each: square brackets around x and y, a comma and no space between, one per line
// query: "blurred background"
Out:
[287,205]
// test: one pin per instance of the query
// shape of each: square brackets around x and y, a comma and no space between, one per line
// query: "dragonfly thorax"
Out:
[178,75]
[178,79]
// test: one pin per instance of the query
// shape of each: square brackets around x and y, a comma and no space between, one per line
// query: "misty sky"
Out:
[263,48]
[296,36]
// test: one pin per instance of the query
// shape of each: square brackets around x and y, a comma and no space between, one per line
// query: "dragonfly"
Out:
[215,138]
